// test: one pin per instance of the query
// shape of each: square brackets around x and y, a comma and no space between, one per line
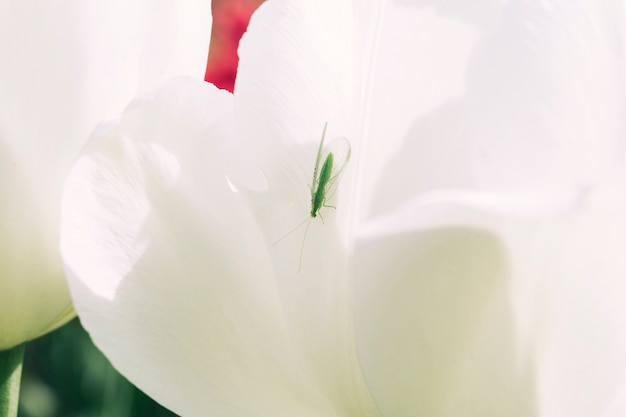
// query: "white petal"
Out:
[434,329]
[33,292]
[512,316]
[171,273]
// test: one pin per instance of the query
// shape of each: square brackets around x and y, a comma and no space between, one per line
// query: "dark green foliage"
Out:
[66,376]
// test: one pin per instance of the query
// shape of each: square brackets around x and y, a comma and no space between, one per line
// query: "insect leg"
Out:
[302,246]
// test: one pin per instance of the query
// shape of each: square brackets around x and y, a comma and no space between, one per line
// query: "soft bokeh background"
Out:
[64,374]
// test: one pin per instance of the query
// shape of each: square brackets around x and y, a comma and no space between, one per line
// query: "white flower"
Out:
[473,265]
[65,66]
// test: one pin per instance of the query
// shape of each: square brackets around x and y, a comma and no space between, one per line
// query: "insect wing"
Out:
[316,170]
[341,150]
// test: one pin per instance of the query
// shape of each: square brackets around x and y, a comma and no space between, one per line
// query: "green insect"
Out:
[325,180]
[335,157]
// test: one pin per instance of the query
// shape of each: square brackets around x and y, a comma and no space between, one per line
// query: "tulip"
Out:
[469,263]
[230,20]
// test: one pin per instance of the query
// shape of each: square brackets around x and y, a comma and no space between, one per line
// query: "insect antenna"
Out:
[306,230]
[291,231]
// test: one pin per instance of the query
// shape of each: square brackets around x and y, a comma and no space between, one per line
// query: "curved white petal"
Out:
[489,313]
[66,66]
[175,280]
[434,331]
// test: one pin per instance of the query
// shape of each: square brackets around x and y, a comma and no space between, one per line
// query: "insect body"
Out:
[325,180]
[318,194]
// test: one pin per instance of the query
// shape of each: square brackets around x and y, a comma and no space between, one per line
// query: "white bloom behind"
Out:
[66,65]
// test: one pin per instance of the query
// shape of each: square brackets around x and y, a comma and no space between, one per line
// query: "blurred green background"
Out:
[65,375]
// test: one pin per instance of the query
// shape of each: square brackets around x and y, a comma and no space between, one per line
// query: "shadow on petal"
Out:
[434,154]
